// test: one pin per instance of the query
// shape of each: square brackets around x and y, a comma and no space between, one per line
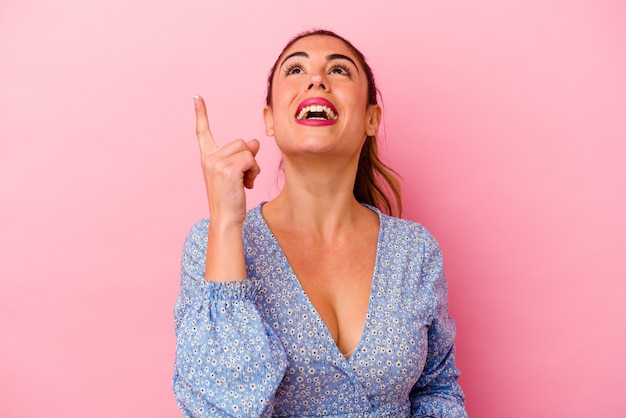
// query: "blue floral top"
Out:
[258,348]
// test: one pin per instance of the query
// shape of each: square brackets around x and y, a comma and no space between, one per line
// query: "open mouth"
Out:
[317,112]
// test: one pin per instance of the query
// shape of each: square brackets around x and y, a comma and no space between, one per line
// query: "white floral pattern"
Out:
[259,348]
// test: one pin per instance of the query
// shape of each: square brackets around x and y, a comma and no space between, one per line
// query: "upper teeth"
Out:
[330,115]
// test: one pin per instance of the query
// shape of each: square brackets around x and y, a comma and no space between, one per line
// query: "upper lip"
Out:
[325,106]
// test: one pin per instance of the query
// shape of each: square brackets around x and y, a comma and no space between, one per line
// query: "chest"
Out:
[337,281]
[390,351]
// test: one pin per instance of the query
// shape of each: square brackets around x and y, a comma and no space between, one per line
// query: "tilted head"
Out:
[375,183]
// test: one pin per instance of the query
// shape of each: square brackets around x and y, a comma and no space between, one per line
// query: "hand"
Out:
[227,170]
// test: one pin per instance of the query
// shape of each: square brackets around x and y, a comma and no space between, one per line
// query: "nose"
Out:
[317,80]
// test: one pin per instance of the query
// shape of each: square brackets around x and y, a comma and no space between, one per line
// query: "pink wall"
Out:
[506,119]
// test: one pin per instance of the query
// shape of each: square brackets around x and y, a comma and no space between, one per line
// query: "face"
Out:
[319,99]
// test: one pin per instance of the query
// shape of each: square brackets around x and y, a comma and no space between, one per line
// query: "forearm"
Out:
[227,171]
[224,256]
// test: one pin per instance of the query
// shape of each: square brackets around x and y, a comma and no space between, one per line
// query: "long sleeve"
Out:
[227,362]
[437,393]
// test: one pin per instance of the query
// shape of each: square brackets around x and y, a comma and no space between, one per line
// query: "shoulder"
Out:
[405,232]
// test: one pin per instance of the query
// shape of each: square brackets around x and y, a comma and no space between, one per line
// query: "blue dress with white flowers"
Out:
[258,348]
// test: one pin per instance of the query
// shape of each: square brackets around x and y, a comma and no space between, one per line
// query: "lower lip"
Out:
[316,122]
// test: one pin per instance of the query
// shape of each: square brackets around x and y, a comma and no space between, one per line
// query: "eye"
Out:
[340,69]
[293,68]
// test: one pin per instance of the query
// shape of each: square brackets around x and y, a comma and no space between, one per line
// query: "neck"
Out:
[318,197]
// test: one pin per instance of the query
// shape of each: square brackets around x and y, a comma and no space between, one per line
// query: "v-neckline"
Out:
[328,335]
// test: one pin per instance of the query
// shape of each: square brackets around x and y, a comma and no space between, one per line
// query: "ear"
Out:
[374,117]
[268,116]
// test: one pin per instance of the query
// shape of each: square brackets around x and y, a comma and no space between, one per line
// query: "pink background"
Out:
[506,120]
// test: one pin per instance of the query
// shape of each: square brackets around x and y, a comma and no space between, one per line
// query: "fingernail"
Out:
[196,100]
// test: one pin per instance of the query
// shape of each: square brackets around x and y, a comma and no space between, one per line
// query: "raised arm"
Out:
[227,171]
[227,362]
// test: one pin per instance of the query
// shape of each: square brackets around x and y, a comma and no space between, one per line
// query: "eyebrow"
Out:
[330,57]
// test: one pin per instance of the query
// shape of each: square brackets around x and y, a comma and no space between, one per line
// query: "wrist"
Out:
[225,257]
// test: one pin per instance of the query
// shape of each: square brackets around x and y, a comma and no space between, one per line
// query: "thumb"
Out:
[253,145]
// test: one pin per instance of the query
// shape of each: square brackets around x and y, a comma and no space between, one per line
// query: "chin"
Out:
[309,143]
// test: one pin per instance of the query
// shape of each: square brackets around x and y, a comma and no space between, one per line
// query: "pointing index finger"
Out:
[205,139]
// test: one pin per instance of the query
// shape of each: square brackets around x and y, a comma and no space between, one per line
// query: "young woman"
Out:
[317,303]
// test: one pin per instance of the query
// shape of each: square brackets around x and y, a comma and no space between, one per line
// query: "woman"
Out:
[316,303]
